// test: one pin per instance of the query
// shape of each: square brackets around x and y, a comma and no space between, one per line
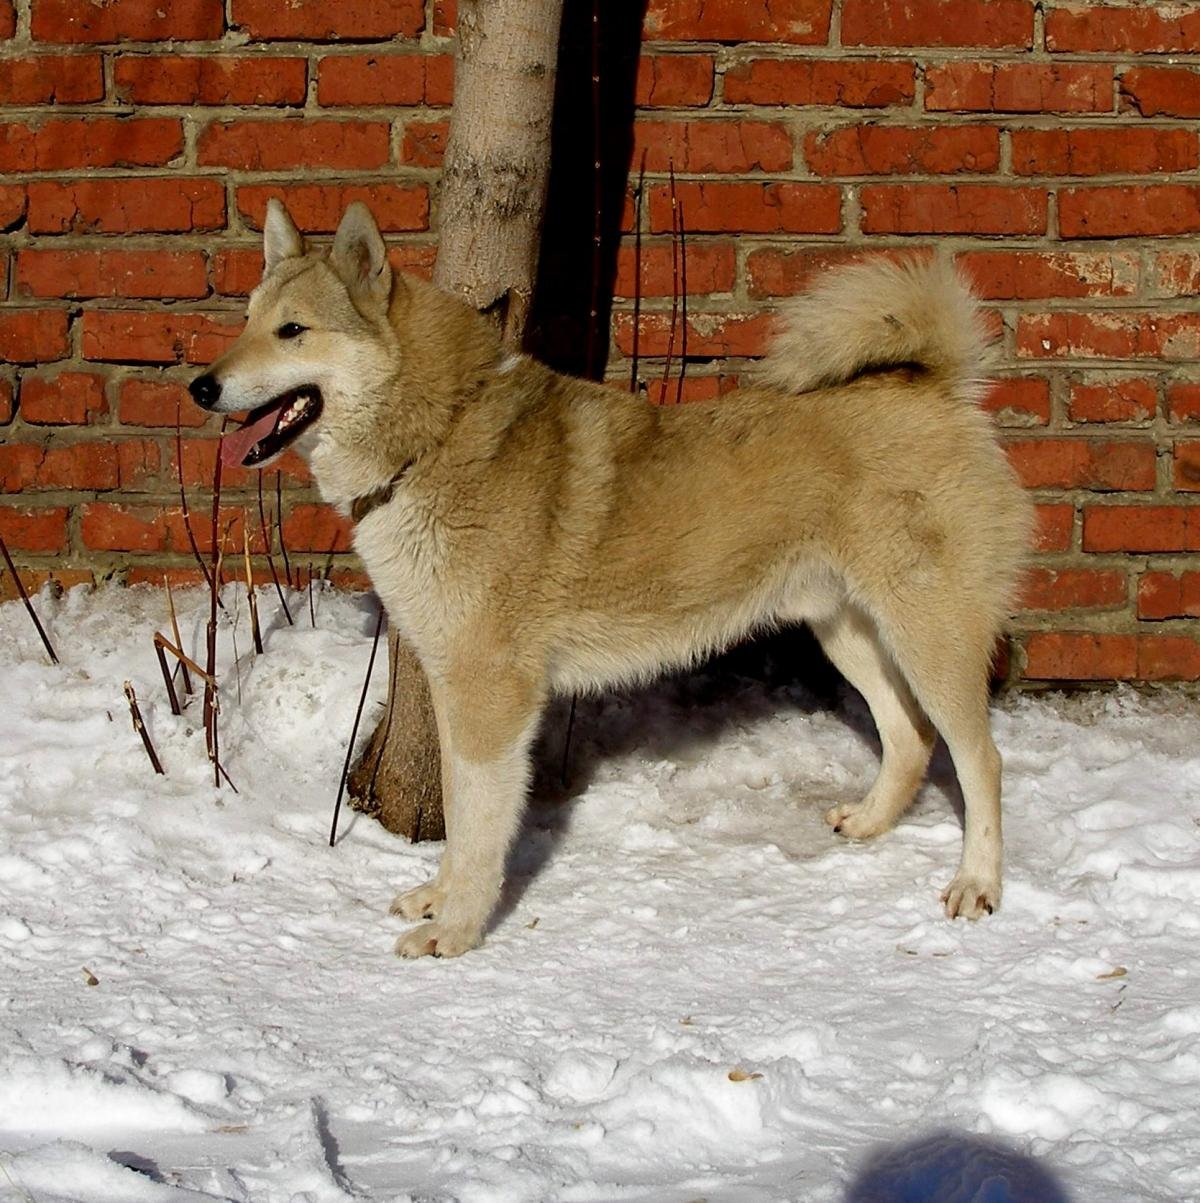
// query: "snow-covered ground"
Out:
[695,990]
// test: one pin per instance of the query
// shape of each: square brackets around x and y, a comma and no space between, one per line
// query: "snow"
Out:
[693,990]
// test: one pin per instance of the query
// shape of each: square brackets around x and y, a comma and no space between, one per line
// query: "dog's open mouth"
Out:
[271,427]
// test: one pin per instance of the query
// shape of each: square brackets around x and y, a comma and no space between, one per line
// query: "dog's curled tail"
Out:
[871,316]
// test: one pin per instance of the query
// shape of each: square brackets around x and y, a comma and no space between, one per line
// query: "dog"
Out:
[531,533]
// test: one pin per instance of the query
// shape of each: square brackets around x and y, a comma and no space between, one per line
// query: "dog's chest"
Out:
[406,556]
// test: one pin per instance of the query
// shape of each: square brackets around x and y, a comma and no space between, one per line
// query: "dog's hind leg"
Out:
[946,657]
[851,642]
[491,718]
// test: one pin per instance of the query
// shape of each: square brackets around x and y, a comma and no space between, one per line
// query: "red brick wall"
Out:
[1053,146]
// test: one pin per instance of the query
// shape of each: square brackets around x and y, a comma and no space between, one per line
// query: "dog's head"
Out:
[317,339]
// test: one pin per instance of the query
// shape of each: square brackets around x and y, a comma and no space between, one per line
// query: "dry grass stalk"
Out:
[362,701]
[287,567]
[250,595]
[20,584]
[269,542]
[674,285]
[183,501]
[140,727]
[187,680]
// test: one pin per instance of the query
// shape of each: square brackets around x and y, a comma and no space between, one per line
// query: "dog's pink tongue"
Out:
[236,445]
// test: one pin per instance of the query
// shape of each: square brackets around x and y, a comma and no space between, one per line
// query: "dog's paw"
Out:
[968,897]
[422,903]
[438,940]
[857,821]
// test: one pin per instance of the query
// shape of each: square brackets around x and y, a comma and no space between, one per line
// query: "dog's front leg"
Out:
[486,725]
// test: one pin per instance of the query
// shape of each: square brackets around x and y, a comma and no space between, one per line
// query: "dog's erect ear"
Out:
[281,239]
[359,256]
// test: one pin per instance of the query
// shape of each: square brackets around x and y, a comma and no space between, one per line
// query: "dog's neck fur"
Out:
[442,354]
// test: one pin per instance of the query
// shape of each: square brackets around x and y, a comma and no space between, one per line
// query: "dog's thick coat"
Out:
[530,532]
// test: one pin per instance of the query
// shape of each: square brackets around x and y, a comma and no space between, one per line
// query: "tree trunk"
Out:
[491,201]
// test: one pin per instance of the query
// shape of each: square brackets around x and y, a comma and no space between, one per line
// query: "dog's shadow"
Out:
[781,672]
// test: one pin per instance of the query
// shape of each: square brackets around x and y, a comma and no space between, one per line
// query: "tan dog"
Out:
[533,533]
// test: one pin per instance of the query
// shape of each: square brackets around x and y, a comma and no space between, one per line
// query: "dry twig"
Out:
[20,584]
[140,727]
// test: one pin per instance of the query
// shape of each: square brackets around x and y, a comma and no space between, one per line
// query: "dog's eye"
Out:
[290,330]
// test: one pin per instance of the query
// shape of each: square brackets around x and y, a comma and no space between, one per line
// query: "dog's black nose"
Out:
[205,390]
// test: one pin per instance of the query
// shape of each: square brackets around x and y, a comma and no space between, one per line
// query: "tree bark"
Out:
[491,202]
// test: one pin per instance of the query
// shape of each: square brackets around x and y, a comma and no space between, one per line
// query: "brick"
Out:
[237,272]
[1128,211]
[1144,528]
[154,402]
[1168,658]
[30,466]
[424,143]
[71,143]
[1054,526]
[126,206]
[1105,28]
[1167,595]
[127,21]
[1123,334]
[445,17]
[713,146]
[1109,151]
[32,335]
[713,335]
[773,273]
[1185,466]
[953,209]
[318,528]
[1073,589]
[674,81]
[1031,275]
[34,529]
[989,23]
[7,403]
[385,79]
[135,336]
[107,527]
[317,208]
[146,528]
[903,150]
[12,205]
[52,273]
[209,79]
[1175,274]
[1183,401]
[695,388]
[52,79]
[802,22]
[1161,91]
[855,84]
[414,260]
[711,268]
[8,19]
[750,208]
[1019,401]
[37,579]
[970,87]
[320,21]
[1083,656]
[1131,399]
[1080,464]
[68,399]
[284,144]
